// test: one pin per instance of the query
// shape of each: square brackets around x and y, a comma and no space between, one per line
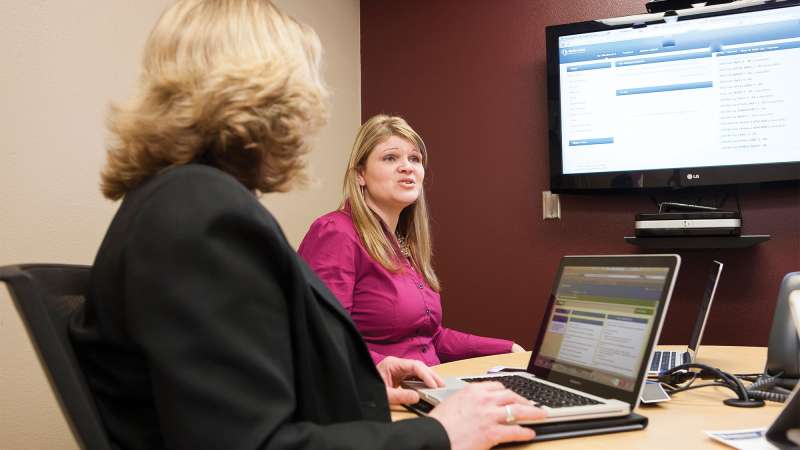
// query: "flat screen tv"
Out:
[707,97]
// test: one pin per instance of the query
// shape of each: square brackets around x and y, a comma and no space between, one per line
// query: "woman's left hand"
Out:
[516,348]
[395,370]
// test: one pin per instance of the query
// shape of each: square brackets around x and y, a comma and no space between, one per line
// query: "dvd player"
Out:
[706,223]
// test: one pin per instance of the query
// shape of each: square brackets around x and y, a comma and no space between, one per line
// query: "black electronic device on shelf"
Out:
[722,223]
[680,219]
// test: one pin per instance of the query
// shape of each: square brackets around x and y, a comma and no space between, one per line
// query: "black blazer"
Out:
[204,329]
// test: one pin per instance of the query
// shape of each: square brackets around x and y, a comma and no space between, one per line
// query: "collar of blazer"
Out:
[327,297]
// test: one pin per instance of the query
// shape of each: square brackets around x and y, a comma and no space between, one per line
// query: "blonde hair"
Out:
[413,222]
[231,83]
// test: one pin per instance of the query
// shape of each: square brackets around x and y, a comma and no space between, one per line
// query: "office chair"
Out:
[783,354]
[45,296]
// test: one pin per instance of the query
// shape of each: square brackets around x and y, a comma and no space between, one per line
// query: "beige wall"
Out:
[63,63]
[337,22]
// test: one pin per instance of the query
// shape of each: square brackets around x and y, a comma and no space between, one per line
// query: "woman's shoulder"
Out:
[190,198]
[338,221]
[192,183]
[334,228]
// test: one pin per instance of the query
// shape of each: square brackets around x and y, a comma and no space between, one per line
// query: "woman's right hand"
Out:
[476,417]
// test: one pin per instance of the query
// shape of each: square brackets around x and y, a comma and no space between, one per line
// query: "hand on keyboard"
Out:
[482,415]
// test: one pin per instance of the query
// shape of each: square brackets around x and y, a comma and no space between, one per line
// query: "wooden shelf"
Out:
[743,241]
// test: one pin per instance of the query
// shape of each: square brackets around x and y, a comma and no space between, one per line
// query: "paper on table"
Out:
[750,439]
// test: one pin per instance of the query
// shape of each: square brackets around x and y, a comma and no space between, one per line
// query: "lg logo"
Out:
[692,176]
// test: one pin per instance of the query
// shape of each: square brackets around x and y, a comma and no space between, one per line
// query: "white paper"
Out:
[749,439]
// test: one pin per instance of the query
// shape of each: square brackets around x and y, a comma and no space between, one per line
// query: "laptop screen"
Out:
[602,320]
[705,306]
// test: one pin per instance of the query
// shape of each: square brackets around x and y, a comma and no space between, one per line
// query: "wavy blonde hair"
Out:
[413,222]
[231,83]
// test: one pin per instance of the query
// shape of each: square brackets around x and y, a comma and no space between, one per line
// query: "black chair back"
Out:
[783,353]
[45,296]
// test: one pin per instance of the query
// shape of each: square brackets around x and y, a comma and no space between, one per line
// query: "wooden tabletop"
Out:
[677,424]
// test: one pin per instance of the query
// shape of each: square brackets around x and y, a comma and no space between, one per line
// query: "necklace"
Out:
[403,243]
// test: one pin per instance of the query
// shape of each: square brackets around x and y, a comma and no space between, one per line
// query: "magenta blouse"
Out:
[398,314]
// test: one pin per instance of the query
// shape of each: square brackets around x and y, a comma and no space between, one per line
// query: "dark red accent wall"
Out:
[469,75]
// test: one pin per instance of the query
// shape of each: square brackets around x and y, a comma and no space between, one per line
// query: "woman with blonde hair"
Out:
[374,252]
[202,328]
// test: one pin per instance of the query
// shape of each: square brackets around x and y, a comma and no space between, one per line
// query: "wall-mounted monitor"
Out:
[708,97]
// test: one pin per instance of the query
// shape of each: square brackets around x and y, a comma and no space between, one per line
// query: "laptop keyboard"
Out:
[540,393]
[666,360]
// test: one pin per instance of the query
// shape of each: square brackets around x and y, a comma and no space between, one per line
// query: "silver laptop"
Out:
[602,320]
[665,360]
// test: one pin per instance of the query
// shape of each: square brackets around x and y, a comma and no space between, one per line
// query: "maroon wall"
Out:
[469,75]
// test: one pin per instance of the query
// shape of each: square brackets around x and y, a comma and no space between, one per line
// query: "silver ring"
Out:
[509,417]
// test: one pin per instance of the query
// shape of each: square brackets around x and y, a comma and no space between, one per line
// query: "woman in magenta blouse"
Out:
[374,253]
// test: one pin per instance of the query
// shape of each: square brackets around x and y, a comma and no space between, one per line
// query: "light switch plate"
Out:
[551,205]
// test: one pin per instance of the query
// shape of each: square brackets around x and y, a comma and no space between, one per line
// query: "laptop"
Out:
[665,360]
[603,317]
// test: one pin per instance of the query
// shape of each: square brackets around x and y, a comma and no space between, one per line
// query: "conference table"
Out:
[675,424]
